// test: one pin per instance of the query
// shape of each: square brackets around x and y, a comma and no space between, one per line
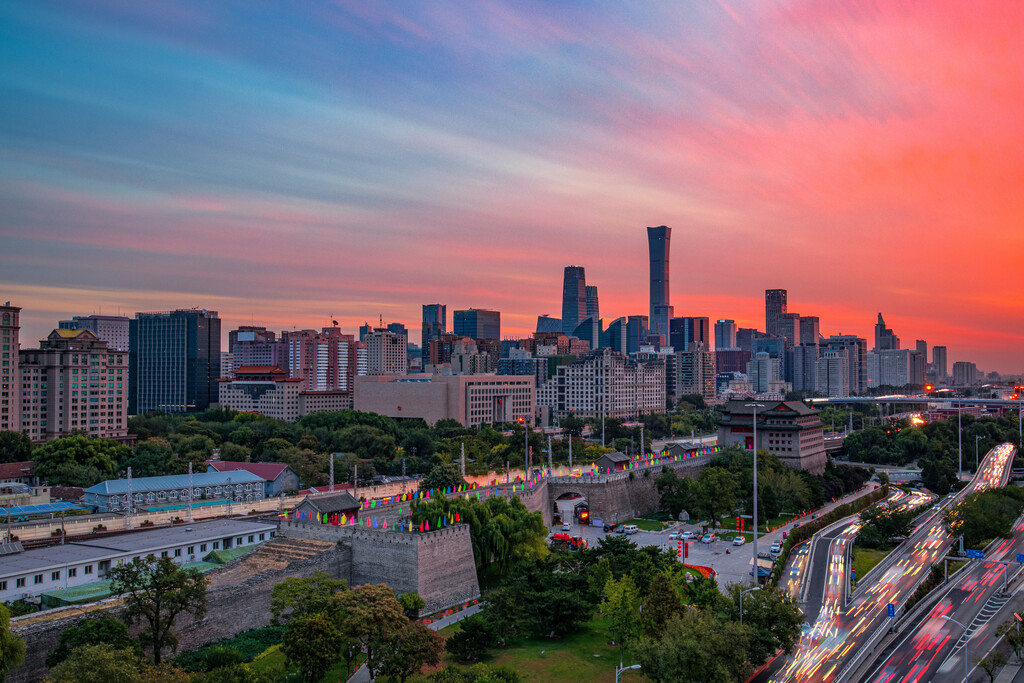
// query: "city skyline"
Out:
[339,163]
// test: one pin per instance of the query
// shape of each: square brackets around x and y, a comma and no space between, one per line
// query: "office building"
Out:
[889,367]
[260,351]
[658,245]
[774,308]
[574,298]
[615,337]
[763,371]
[607,383]
[112,329]
[270,391]
[593,308]
[833,373]
[745,337]
[468,359]
[636,328]
[324,361]
[775,347]
[174,361]
[939,363]
[857,355]
[885,339]
[695,372]
[472,400]
[803,363]
[546,324]
[249,334]
[921,346]
[74,383]
[918,366]
[809,330]
[687,330]
[788,325]
[227,364]
[480,323]
[10,391]
[386,352]
[789,430]
[731,360]
[589,331]
[435,323]
[965,374]
[522,364]
[725,335]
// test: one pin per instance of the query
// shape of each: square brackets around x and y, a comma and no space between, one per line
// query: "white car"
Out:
[687,535]
[709,538]
[776,548]
[566,526]
[739,540]
[674,535]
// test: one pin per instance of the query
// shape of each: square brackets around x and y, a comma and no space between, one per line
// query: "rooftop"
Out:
[172,481]
[17,470]
[268,471]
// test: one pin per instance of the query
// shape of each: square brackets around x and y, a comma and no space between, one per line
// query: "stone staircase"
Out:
[277,553]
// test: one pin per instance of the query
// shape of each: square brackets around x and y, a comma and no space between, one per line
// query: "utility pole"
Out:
[231,496]
[960,440]
[463,459]
[570,454]
[755,406]
[190,492]
[551,466]
[129,507]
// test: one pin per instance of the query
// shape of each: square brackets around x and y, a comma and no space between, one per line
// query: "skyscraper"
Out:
[435,322]
[324,361]
[774,308]
[789,328]
[593,310]
[246,333]
[546,324]
[725,335]
[922,348]
[10,382]
[386,352]
[687,330]
[574,298]
[857,356]
[174,361]
[939,362]
[658,245]
[112,329]
[636,328]
[809,329]
[885,339]
[479,323]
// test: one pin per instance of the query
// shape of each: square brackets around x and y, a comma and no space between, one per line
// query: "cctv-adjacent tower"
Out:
[661,312]
[574,298]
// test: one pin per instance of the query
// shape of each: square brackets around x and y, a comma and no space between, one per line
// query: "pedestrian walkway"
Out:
[362,675]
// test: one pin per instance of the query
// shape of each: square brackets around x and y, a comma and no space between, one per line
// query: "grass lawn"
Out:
[582,656]
[648,524]
[864,560]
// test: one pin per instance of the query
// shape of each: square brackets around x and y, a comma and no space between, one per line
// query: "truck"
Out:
[574,542]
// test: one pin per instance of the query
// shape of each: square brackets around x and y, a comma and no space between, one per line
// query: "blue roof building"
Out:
[112,495]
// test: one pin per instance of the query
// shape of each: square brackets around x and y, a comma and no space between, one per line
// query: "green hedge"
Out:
[805,531]
[249,644]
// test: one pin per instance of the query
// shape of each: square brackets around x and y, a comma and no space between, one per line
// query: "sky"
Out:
[287,164]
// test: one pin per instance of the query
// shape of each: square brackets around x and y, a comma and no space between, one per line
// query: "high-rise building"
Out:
[327,360]
[833,373]
[479,323]
[10,391]
[803,364]
[174,361]
[658,245]
[249,333]
[589,330]
[574,298]
[74,383]
[254,353]
[745,337]
[889,367]
[695,371]
[918,366]
[763,371]
[604,382]
[687,330]
[725,335]
[636,329]
[775,347]
[386,353]
[964,374]
[922,348]
[593,308]
[112,329]
[857,355]
[789,328]
[809,329]
[435,323]
[546,324]
[774,308]
[731,360]
[939,362]
[615,337]
[885,339]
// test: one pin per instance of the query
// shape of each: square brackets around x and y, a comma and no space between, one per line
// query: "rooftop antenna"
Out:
[381,319]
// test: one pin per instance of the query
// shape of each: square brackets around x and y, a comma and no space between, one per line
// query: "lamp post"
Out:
[967,642]
[620,669]
[755,406]
[976,440]
[960,439]
[749,590]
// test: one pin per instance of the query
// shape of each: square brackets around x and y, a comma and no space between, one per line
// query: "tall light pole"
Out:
[749,590]
[976,440]
[967,642]
[755,406]
[960,439]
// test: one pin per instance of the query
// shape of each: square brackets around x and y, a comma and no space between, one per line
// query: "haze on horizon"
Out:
[289,166]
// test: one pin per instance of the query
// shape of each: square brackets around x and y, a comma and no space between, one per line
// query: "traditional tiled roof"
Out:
[17,470]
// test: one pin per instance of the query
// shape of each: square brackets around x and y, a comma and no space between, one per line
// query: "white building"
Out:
[605,382]
[695,372]
[833,374]
[763,371]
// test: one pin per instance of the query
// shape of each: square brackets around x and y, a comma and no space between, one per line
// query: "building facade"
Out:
[725,335]
[112,329]
[269,391]
[833,374]
[687,330]
[890,367]
[606,383]
[885,339]
[472,400]
[809,330]
[857,355]
[964,374]
[434,324]
[174,361]
[939,362]
[695,372]
[10,378]
[149,492]
[774,307]
[574,298]
[763,371]
[789,430]
[803,364]
[386,353]
[659,246]
[480,323]
[324,361]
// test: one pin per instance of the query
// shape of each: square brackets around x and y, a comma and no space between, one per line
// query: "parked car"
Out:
[687,535]
[674,535]
[566,526]
[630,529]
[620,529]
[709,538]
[815,515]
[776,548]
[739,540]
[608,528]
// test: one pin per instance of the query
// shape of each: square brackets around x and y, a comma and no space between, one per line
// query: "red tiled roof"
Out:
[260,370]
[268,471]
[16,470]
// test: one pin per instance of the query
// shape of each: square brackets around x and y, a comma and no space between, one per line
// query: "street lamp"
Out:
[976,440]
[749,590]
[526,447]
[755,406]
[620,669]
[967,641]
[960,438]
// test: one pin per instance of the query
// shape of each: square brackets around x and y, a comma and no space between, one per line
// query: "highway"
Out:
[840,636]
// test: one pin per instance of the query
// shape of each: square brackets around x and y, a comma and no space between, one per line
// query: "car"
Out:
[708,538]
[674,535]
[630,529]
[620,529]
[796,524]
[739,540]
[566,526]
[815,515]
[687,535]
[608,528]
[776,548]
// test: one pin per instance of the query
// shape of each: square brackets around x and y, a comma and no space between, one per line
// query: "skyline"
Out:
[382,157]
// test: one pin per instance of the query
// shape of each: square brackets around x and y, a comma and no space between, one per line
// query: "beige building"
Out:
[74,382]
[605,382]
[473,400]
[695,372]
[386,353]
[789,430]
[10,403]
[268,390]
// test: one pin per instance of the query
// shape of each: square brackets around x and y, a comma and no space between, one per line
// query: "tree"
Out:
[621,605]
[1011,631]
[771,618]
[300,596]
[676,492]
[991,663]
[15,447]
[882,524]
[412,603]
[151,458]
[441,477]
[598,576]
[695,648]
[103,629]
[98,664]
[985,515]
[661,604]
[155,592]
[716,493]
[474,637]
[12,646]
[409,650]
[312,643]
[372,615]
[77,460]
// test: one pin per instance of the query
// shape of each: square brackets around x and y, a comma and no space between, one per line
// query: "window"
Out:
[88,569]
[19,583]
[73,572]
[163,553]
[191,550]
[54,576]
[251,539]
[202,548]
[37,579]
[3,585]
[216,545]
[177,552]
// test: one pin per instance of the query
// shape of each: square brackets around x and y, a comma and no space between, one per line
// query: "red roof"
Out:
[17,470]
[268,471]
[260,370]
[325,489]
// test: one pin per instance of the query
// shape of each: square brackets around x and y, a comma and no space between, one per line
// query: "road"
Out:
[824,654]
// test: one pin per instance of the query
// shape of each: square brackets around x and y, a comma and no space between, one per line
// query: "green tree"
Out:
[155,592]
[79,460]
[598,576]
[472,640]
[985,515]
[409,650]
[151,458]
[695,648]
[882,524]
[412,603]
[677,493]
[1011,631]
[101,663]
[661,605]
[15,447]
[313,644]
[991,663]
[301,596]
[621,605]
[771,618]
[441,477]
[98,630]
[12,646]
[716,493]
[372,615]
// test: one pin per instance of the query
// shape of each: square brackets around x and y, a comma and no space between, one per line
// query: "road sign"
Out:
[891,610]
[1017,616]
[1020,557]
[975,554]
[853,574]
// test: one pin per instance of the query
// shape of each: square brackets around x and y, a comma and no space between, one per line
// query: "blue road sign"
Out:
[1020,557]
[975,554]
[891,609]
[853,574]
